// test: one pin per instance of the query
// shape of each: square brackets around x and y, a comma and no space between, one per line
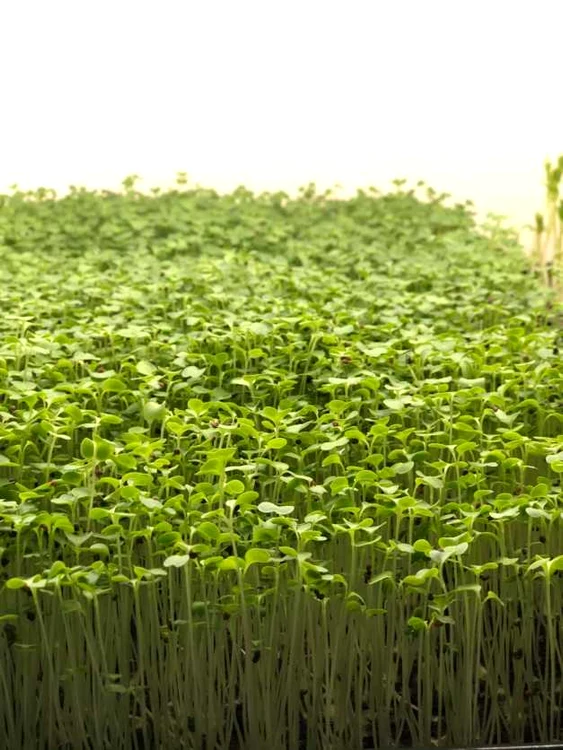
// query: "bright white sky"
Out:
[464,94]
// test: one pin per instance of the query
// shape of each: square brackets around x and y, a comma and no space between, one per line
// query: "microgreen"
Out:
[276,472]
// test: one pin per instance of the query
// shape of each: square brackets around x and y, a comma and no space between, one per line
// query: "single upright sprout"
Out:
[540,229]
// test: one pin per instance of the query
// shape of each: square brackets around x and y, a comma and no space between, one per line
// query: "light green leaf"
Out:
[280,510]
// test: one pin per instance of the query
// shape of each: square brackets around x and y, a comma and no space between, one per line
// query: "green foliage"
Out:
[271,466]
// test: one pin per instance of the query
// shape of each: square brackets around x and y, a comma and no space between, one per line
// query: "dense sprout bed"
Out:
[275,473]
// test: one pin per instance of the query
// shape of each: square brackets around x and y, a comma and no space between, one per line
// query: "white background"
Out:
[464,94]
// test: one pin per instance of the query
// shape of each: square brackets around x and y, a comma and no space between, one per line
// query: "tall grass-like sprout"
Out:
[549,236]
